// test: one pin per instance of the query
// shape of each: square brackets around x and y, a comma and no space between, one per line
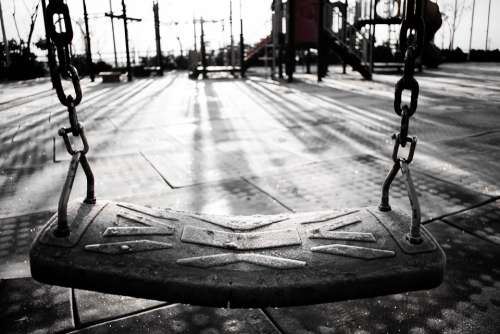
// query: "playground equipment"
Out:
[334,27]
[204,69]
[389,13]
[237,261]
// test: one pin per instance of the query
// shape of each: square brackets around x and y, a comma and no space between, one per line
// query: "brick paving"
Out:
[255,146]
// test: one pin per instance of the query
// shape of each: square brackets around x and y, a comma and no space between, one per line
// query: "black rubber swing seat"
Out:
[236,261]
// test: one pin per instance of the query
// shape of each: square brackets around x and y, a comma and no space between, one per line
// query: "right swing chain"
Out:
[411,39]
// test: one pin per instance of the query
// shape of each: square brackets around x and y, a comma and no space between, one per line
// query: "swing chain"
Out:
[411,40]
[60,34]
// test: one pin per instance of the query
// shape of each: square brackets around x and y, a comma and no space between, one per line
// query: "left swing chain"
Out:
[59,33]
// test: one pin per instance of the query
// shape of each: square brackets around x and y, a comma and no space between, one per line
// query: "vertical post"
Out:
[273,43]
[231,32]
[279,36]
[5,41]
[113,31]
[308,61]
[372,34]
[242,46]
[203,51]
[50,50]
[321,42]
[266,63]
[194,35]
[87,44]
[488,25]
[344,32]
[290,45]
[180,45]
[159,61]
[471,28]
[129,67]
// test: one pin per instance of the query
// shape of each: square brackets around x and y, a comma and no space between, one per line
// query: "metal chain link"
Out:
[411,40]
[59,32]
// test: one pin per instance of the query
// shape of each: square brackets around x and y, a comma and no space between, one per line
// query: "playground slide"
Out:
[257,51]
[349,57]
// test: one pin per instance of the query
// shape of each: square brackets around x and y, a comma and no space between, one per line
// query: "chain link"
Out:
[60,35]
[411,40]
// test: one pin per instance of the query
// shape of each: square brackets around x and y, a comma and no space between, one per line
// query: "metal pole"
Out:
[203,51]
[279,37]
[5,41]
[87,40]
[231,31]
[129,67]
[113,31]
[180,45]
[159,62]
[242,46]
[488,25]
[372,34]
[344,32]
[50,50]
[308,61]
[273,48]
[194,32]
[321,47]
[290,49]
[471,28]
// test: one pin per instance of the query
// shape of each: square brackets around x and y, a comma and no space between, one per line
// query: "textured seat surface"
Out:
[236,261]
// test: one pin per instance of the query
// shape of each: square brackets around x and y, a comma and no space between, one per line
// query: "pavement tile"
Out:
[120,176]
[27,153]
[117,142]
[16,236]
[356,181]
[193,166]
[179,318]
[7,132]
[96,307]
[33,189]
[483,221]
[225,157]
[473,160]
[30,307]
[236,197]
[30,189]
[468,301]
[257,156]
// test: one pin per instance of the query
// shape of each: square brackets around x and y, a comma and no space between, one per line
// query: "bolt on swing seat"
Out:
[237,261]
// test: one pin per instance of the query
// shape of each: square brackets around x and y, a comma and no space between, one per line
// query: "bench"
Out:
[110,77]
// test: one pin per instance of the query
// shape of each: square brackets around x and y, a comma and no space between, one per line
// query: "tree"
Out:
[454,12]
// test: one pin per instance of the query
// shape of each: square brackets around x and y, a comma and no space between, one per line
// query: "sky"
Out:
[256,17]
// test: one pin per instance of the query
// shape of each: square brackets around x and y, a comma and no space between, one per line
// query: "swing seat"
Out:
[236,261]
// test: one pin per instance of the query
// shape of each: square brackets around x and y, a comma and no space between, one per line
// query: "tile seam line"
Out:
[273,321]
[112,319]
[267,194]
[470,233]
[156,170]
[472,207]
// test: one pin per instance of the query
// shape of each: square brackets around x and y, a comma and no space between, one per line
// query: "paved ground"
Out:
[258,146]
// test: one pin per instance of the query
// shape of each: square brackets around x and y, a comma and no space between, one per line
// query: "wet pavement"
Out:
[256,146]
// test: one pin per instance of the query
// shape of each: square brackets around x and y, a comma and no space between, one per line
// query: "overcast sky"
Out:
[256,16]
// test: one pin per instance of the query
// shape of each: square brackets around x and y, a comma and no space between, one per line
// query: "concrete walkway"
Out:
[257,146]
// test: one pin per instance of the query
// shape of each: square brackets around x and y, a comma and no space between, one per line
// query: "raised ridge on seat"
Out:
[237,261]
